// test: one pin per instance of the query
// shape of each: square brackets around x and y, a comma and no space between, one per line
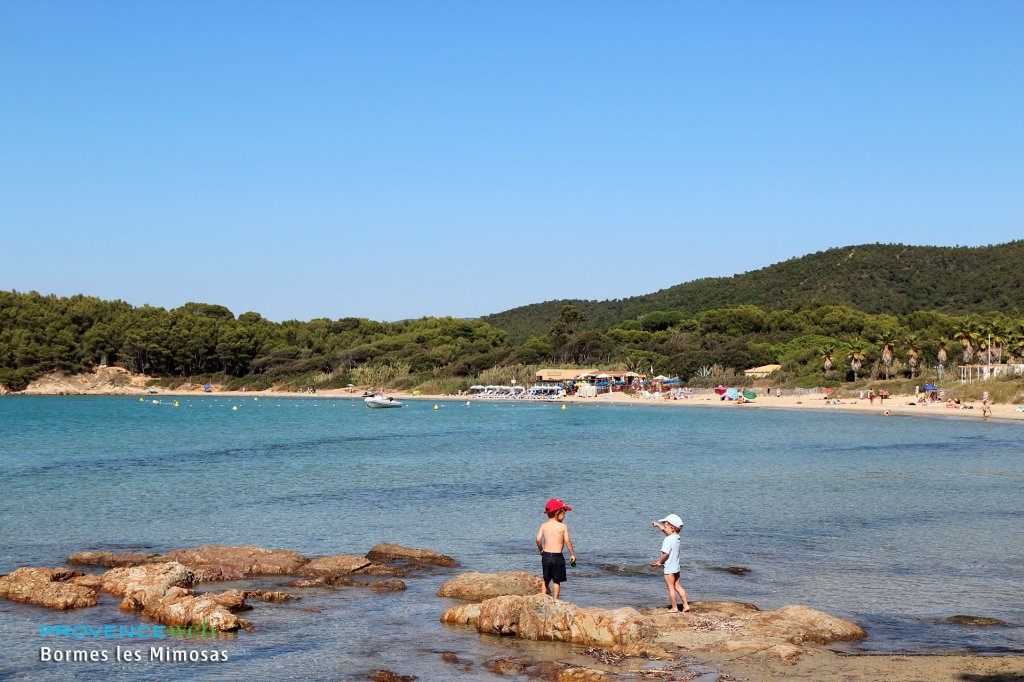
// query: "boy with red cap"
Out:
[551,537]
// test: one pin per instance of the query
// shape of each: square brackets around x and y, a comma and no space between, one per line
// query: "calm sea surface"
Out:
[894,523]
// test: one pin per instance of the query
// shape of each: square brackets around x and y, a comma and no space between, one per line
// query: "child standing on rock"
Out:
[670,526]
[551,537]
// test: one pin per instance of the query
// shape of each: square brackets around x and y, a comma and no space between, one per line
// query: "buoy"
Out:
[235,408]
[436,407]
[175,403]
[255,398]
[156,402]
[467,403]
[563,407]
[141,400]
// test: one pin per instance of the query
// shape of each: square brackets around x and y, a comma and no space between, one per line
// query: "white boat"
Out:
[381,401]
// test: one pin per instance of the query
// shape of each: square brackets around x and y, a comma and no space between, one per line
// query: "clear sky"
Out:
[397,159]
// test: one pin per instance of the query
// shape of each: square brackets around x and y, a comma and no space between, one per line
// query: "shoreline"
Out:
[897,405]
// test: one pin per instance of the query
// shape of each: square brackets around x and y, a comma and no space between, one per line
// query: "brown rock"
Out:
[384,569]
[539,617]
[219,562]
[980,621]
[161,591]
[583,675]
[388,676]
[268,596]
[112,560]
[385,552]
[385,586]
[341,564]
[449,657]
[479,586]
[511,664]
[48,587]
[801,623]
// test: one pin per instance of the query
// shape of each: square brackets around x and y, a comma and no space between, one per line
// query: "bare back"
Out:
[552,534]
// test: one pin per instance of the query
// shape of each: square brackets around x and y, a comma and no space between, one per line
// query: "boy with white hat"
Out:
[670,526]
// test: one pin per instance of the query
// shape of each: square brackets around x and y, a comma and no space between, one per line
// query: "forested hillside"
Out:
[909,312]
[876,278]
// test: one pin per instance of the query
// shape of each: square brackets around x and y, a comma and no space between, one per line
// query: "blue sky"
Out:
[399,159]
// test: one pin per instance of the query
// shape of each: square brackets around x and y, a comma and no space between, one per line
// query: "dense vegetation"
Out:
[877,278]
[826,345]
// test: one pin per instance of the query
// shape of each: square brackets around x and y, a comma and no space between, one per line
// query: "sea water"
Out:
[893,523]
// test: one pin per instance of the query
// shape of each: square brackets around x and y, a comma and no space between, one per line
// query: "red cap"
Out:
[554,504]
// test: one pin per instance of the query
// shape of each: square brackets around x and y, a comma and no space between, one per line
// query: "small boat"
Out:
[381,401]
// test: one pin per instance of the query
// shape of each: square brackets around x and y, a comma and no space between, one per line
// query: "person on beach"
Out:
[670,526]
[551,537]
[986,409]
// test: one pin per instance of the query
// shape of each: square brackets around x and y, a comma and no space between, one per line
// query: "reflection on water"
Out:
[895,524]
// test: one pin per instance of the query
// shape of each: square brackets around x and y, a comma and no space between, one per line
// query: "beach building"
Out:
[969,373]
[762,371]
[603,381]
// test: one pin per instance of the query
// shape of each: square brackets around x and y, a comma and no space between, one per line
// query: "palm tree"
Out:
[856,357]
[1015,346]
[941,355]
[997,338]
[967,335]
[913,353]
[827,356]
[886,340]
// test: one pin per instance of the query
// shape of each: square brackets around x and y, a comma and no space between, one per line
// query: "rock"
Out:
[539,617]
[161,591]
[268,596]
[341,564]
[388,676]
[219,562]
[709,626]
[979,621]
[735,570]
[384,585]
[148,582]
[479,586]
[384,569]
[112,560]
[584,675]
[50,587]
[386,552]
[500,666]
[450,657]
[805,624]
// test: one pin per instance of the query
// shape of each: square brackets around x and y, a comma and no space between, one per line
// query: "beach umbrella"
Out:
[720,389]
[673,381]
[931,387]
[604,376]
[732,394]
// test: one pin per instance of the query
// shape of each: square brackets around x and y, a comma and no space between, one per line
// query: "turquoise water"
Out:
[893,523]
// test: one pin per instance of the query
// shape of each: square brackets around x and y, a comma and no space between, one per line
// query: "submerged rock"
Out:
[55,588]
[978,621]
[220,562]
[735,570]
[111,559]
[479,586]
[388,676]
[386,552]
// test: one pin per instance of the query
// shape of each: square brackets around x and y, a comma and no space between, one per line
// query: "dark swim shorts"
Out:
[554,567]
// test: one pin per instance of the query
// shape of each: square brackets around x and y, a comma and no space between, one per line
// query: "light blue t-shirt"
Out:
[670,546]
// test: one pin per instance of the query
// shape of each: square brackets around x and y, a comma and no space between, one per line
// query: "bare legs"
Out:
[674,586]
[552,591]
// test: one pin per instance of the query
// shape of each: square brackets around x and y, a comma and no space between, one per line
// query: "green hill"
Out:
[877,278]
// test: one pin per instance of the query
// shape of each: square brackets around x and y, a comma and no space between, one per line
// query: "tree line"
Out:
[825,345]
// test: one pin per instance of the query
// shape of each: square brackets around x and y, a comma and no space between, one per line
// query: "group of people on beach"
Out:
[553,536]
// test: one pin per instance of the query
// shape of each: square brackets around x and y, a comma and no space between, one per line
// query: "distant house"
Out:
[762,371]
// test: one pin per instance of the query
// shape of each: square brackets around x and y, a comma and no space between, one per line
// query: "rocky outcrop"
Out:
[479,586]
[162,592]
[331,566]
[539,617]
[386,552]
[977,621]
[709,626]
[56,588]
[219,562]
[112,560]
